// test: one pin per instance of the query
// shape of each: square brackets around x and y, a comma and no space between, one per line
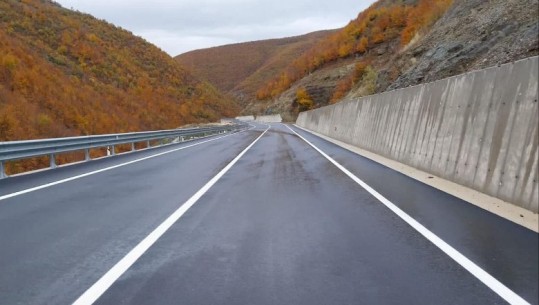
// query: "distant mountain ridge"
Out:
[240,69]
[64,73]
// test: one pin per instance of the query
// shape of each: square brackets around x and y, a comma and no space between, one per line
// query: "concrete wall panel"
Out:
[478,129]
[245,118]
[275,118]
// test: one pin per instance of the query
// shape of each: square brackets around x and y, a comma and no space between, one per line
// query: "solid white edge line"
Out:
[103,284]
[32,189]
[487,279]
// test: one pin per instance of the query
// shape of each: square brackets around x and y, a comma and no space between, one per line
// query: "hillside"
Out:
[64,73]
[472,35]
[392,44]
[437,39]
[240,69]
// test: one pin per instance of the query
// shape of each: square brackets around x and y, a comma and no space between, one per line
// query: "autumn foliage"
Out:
[242,68]
[304,100]
[64,73]
[377,24]
[344,85]
[423,16]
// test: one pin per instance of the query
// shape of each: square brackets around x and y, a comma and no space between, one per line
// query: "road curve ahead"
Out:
[272,215]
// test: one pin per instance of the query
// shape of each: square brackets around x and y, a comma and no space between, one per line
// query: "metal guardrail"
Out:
[17,150]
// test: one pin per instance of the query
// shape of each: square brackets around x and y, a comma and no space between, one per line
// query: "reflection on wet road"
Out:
[280,224]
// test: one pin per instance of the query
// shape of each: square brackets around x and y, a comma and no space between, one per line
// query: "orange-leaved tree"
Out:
[304,100]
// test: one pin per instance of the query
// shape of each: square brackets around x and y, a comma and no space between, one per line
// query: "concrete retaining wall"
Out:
[245,118]
[478,129]
[276,118]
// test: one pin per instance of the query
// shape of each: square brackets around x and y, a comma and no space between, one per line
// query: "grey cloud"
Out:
[180,26]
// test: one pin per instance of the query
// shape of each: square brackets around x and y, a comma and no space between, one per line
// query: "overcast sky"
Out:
[178,26]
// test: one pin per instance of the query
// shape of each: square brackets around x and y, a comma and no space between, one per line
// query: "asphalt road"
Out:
[281,225]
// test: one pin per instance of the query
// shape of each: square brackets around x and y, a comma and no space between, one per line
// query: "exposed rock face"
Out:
[473,34]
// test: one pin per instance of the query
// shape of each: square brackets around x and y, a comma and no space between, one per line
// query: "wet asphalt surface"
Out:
[283,226]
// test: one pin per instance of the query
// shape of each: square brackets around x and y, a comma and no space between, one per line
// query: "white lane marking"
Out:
[11,195]
[487,279]
[99,287]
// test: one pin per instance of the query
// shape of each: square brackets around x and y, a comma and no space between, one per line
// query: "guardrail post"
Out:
[148,144]
[2,170]
[110,151]
[52,161]
[133,146]
[87,154]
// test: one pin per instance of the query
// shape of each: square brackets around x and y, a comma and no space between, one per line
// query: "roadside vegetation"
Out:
[64,73]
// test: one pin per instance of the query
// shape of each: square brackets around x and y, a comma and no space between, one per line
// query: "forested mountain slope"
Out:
[241,69]
[66,73]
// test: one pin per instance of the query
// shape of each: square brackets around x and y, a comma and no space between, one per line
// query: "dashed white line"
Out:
[14,194]
[97,289]
[487,279]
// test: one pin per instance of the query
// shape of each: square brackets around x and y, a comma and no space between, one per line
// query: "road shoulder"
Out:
[494,205]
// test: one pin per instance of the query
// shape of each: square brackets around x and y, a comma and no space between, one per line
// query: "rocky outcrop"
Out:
[473,34]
